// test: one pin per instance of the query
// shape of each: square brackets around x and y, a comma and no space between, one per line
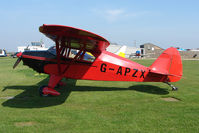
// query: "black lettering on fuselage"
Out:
[127,70]
[112,69]
[119,71]
[142,75]
[134,74]
[103,67]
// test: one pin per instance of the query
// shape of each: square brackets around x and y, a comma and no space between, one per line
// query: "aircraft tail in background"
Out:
[121,51]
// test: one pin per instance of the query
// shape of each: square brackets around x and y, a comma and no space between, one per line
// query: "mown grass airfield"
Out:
[98,106]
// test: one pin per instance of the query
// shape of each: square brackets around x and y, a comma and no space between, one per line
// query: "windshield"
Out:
[52,50]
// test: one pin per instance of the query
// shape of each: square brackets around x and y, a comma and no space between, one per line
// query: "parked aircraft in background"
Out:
[3,53]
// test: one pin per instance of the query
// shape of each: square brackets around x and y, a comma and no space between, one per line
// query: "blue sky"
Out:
[164,23]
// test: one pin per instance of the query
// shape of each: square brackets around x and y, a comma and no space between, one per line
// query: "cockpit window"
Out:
[86,56]
[52,50]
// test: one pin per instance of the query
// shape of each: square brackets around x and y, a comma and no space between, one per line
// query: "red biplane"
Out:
[105,66]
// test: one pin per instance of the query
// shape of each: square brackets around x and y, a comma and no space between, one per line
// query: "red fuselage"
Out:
[106,67]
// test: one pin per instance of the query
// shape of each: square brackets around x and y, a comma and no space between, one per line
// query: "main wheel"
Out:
[41,91]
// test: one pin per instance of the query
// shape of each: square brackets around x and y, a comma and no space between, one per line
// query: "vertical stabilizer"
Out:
[168,63]
[121,51]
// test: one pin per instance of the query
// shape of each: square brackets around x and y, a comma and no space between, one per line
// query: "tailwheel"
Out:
[45,91]
[172,86]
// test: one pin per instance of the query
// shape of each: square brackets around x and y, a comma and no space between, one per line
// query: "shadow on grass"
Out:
[30,98]
[141,88]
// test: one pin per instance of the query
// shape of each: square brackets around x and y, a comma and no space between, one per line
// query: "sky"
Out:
[164,23]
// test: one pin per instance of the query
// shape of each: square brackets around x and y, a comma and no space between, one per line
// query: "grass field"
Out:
[96,106]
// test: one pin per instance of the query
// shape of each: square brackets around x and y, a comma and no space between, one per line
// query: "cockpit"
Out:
[86,56]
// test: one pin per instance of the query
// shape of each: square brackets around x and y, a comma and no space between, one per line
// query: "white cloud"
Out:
[115,12]
[113,15]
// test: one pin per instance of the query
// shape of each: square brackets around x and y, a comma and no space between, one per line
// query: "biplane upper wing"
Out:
[75,38]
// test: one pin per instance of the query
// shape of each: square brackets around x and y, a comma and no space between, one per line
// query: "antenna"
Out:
[134,43]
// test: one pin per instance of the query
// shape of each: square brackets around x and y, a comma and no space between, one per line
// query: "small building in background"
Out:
[196,49]
[34,46]
[150,50]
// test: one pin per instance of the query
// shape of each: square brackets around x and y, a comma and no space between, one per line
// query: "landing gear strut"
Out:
[172,86]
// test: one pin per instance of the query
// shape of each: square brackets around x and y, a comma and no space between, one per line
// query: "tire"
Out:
[41,91]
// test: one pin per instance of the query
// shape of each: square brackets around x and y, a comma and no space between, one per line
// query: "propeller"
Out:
[18,60]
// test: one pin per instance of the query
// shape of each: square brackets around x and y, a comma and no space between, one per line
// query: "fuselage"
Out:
[106,67]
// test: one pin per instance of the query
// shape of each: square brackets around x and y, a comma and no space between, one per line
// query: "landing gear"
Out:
[172,86]
[49,90]
[41,91]
[45,91]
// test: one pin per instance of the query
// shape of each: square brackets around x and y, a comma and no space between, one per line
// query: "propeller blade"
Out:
[17,62]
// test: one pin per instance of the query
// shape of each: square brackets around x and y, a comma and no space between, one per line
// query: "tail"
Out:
[121,51]
[168,63]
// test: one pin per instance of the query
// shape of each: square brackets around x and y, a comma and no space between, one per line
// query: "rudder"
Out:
[168,63]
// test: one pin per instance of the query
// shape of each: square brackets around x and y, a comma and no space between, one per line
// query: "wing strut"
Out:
[58,56]
[76,56]
[69,48]
[63,51]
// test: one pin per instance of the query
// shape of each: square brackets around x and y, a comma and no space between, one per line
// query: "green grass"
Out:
[97,106]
